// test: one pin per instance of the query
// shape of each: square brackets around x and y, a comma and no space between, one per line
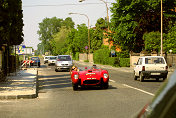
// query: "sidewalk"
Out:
[21,85]
[122,69]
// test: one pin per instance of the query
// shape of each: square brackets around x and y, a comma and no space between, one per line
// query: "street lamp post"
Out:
[88,29]
[107,17]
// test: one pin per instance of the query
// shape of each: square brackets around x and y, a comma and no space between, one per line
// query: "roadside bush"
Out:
[86,60]
[124,62]
[114,61]
[101,56]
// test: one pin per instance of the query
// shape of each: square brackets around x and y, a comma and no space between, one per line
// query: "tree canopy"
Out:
[11,22]
[132,18]
[49,27]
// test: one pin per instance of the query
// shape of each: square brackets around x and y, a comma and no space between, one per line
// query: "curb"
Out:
[33,93]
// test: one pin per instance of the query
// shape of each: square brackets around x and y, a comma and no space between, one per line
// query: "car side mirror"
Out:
[135,64]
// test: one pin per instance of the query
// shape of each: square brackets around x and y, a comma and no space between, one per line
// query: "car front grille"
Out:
[64,64]
[91,81]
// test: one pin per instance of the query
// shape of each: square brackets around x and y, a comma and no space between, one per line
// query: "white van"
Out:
[150,67]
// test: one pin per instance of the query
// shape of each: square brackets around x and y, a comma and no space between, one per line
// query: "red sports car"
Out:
[90,77]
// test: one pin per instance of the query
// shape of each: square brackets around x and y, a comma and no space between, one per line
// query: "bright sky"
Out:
[34,11]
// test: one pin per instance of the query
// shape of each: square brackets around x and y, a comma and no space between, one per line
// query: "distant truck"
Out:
[150,67]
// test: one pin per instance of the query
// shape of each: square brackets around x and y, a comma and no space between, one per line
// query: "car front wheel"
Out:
[135,77]
[141,77]
[75,86]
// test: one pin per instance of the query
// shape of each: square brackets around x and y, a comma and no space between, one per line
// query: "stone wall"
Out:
[171,60]
[85,56]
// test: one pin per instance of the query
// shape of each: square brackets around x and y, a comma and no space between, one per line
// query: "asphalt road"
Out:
[124,98]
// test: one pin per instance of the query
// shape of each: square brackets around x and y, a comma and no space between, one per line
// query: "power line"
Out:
[61,5]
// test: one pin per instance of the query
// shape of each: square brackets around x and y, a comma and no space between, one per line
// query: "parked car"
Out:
[52,60]
[36,61]
[164,103]
[150,67]
[46,59]
[64,62]
[90,77]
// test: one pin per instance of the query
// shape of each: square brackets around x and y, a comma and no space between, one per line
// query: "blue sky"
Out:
[33,14]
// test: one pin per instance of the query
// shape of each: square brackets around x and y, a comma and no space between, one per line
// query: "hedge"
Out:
[124,62]
[102,56]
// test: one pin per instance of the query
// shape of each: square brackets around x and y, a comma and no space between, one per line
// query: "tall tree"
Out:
[11,22]
[47,28]
[59,40]
[97,36]
[132,18]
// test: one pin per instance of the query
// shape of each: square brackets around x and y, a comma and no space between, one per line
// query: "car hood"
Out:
[90,74]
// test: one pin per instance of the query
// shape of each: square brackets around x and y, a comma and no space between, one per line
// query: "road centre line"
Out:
[139,90]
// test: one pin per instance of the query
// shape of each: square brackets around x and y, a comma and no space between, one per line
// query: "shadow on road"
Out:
[54,81]
[85,88]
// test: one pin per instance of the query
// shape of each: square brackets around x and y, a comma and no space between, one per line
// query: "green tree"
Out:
[58,41]
[11,22]
[132,18]
[97,34]
[170,39]
[152,41]
[47,28]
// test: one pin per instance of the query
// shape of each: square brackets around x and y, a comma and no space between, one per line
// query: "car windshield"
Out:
[154,60]
[46,57]
[64,58]
[34,58]
[53,58]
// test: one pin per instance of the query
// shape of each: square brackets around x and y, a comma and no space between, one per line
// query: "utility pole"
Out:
[161,28]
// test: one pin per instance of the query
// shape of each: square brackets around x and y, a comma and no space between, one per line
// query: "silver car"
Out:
[52,60]
[64,62]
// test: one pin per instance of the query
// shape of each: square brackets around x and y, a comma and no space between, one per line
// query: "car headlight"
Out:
[105,76]
[76,76]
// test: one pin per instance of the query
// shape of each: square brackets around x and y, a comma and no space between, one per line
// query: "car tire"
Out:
[164,78]
[75,86]
[106,85]
[56,70]
[135,77]
[141,77]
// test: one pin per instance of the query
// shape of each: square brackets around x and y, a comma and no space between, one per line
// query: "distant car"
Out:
[64,62]
[46,59]
[52,60]
[150,67]
[90,77]
[164,103]
[36,61]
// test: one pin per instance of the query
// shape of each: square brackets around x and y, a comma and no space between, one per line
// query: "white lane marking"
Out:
[139,90]
[111,80]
